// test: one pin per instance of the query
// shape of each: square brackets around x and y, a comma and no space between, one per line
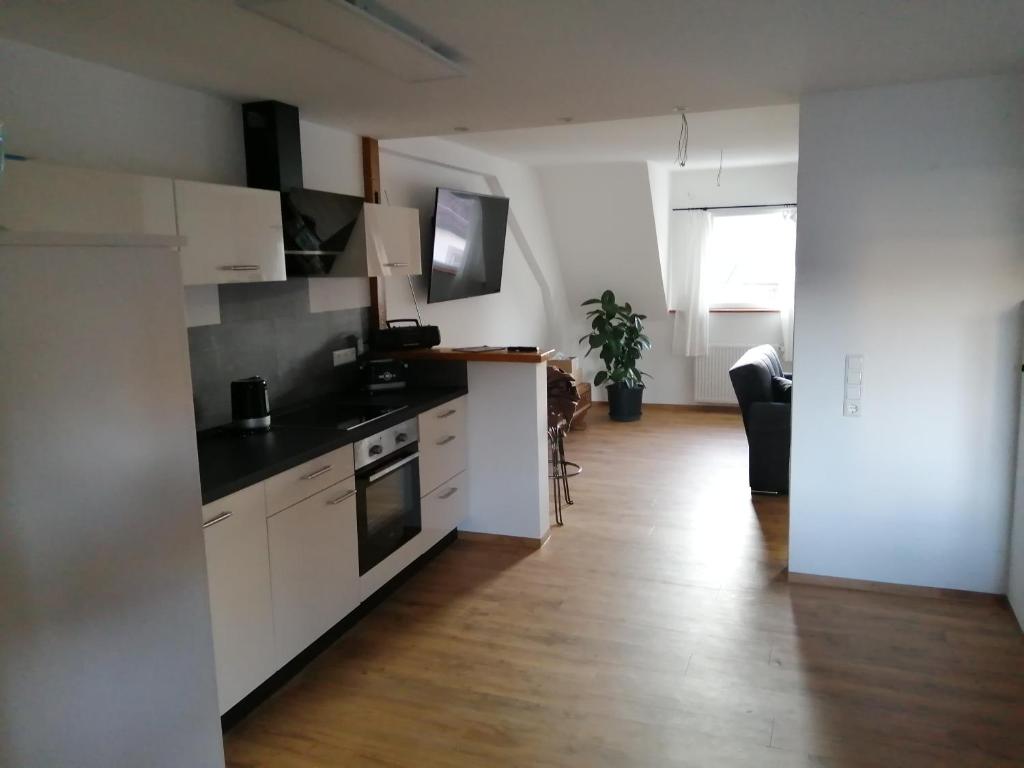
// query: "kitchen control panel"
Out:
[385,442]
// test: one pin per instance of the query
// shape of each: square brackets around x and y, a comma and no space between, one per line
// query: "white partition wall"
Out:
[507,437]
[1015,590]
[106,656]
[909,252]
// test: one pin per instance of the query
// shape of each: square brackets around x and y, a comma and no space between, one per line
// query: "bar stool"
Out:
[562,400]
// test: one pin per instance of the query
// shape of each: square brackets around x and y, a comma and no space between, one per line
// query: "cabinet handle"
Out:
[446,440]
[218,519]
[346,495]
[446,414]
[240,267]
[449,493]
[395,264]
[314,475]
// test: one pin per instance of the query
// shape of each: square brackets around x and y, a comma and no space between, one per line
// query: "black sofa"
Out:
[763,391]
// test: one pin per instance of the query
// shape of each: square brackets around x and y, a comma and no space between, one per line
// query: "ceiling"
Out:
[532,62]
[734,138]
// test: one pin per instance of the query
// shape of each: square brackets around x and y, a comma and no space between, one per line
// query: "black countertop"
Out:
[229,461]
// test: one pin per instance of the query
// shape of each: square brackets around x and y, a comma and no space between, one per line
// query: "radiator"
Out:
[712,383]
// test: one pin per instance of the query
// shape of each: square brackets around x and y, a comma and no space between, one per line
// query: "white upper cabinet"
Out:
[392,240]
[233,234]
[384,243]
[38,197]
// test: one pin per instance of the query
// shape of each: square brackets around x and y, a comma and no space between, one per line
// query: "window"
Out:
[750,259]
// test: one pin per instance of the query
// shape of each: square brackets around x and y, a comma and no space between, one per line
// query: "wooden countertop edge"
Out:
[447,353]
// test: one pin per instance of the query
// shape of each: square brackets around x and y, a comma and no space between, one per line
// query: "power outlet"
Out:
[343,356]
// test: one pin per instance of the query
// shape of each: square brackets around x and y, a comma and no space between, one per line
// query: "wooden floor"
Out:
[655,629]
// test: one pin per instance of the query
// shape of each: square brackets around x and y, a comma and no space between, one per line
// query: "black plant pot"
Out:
[624,403]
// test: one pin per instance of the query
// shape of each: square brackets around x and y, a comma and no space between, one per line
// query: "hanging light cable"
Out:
[683,144]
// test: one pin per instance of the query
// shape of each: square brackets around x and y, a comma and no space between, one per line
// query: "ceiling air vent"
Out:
[366,30]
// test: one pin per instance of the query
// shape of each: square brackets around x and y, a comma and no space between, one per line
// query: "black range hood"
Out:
[317,225]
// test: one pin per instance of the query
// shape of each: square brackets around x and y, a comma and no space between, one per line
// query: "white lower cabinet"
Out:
[392,565]
[314,566]
[279,579]
[445,508]
[301,482]
[238,570]
[442,443]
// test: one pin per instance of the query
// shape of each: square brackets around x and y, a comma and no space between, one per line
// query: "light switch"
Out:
[853,385]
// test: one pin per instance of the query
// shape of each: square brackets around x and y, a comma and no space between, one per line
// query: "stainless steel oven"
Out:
[388,492]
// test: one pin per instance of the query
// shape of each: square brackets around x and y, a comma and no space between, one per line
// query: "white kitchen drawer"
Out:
[446,506]
[392,565]
[301,482]
[238,574]
[442,444]
[314,566]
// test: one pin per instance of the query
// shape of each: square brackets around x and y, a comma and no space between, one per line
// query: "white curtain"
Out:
[786,285]
[687,267]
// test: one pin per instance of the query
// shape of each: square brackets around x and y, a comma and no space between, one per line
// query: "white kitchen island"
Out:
[507,441]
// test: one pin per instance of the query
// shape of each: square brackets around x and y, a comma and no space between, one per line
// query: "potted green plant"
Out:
[618,332]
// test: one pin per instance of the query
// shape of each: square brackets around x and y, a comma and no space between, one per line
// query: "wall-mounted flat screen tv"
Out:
[469,245]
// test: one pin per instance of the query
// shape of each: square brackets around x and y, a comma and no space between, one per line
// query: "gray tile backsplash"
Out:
[267,330]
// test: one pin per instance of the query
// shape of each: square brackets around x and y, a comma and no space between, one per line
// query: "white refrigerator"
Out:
[106,657]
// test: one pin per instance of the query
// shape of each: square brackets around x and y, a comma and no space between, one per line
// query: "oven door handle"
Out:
[389,469]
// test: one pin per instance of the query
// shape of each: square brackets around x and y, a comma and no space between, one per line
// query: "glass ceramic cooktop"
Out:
[343,416]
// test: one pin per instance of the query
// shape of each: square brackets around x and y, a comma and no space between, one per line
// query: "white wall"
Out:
[332,159]
[603,223]
[660,179]
[106,654]
[910,252]
[752,185]
[614,229]
[531,307]
[75,112]
[1015,586]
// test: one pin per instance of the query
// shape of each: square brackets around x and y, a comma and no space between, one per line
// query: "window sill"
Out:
[737,310]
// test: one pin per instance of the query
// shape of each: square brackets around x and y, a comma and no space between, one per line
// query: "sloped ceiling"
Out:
[603,223]
[736,138]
